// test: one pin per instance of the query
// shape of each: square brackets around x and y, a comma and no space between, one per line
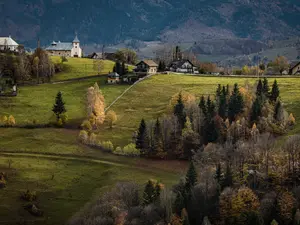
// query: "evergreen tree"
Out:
[157,143]
[219,90]
[118,68]
[191,177]
[265,88]
[222,108]
[123,69]
[59,106]
[277,110]
[149,194]
[227,89]
[202,105]
[142,141]
[179,111]
[236,103]
[228,179]
[256,110]
[218,174]
[179,203]
[259,88]
[210,105]
[274,92]
[186,220]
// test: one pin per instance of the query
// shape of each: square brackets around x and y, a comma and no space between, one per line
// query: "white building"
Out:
[7,43]
[68,49]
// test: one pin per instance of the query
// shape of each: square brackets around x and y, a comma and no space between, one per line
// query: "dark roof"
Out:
[294,64]
[179,63]
[60,46]
[149,62]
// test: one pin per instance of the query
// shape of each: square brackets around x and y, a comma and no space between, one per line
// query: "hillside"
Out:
[114,21]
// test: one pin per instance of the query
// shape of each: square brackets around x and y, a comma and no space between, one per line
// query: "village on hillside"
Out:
[175,62]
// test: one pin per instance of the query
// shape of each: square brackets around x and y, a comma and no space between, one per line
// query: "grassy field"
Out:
[36,102]
[80,172]
[150,99]
[80,67]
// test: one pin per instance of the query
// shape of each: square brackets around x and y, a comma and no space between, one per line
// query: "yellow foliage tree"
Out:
[286,205]
[96,104]
[111,118]
[291,120]
[83,136]
[11,121]
[245,70]
[187,98]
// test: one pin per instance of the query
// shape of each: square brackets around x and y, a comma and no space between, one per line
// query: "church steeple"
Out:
[76,40]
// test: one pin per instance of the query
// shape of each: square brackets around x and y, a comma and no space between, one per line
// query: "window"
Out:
[75,46]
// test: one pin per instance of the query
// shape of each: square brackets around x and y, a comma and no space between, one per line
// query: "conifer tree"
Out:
[149,193]
[142,140]
[59,106]
[256,110]
[236,103]
[222,109]
[274,92]
[228,179]
[158,144]
[202,105]
[277,110]
[259,88]
[218,174]
[179,111]
[179,203]
[265,88]
[219,90]
[191,177]
[210,108]
[227,89]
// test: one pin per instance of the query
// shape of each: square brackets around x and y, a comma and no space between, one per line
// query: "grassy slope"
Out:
[80,67]
[82,180]
[150,99]
[35,102]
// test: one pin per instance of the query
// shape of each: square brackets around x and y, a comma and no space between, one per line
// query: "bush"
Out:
[83,136]
[11,121]
[238,72]
[118,151]
[93,139]
[34,210]
[28,196]
[131,150]
[107,145]
[64,59]
[86,125]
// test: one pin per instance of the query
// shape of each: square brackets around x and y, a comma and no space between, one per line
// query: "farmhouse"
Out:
[7,43]
[295,68]
[182,66]
[113,78]
[68,49]
[145,67]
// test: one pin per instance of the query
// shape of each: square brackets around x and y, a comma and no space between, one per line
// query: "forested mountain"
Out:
[112,21]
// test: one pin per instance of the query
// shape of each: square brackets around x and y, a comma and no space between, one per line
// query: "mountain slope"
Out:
[112,21]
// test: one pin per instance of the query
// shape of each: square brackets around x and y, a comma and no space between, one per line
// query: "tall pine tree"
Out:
[228,178]
[142,141]
[210,105]
[236,103]
[223,107]
[59,106]
[157,142]
[202,105]
[179,111]
[259,89]
[274,92]
[266,88]
[277,110]
[256,110]
[191,177]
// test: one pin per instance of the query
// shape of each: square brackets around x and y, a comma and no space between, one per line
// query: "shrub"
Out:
[291,120]
[11,121]
[107,145]
[28,196]
[59,123]
[118,151]
[64,118]
[33,209]
[64,59]
[111,118]
[93,139]
[86,125]
[83,136]
[131,150]
[2,181]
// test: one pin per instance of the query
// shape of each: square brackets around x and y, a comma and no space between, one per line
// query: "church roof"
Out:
[76,40]
[8,41]
[60,46]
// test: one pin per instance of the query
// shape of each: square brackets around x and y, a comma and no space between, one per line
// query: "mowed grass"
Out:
[36,102]
[150,99]
[63,186]
[80,67]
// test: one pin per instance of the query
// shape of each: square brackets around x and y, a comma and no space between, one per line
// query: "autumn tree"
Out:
[286,207]
[59,106]
[111,118]
[98,65]
[280,63]
[190,139]
[151,192]
[95,105]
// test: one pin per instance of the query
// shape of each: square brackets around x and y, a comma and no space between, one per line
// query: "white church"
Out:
[68,49]
[7,43]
